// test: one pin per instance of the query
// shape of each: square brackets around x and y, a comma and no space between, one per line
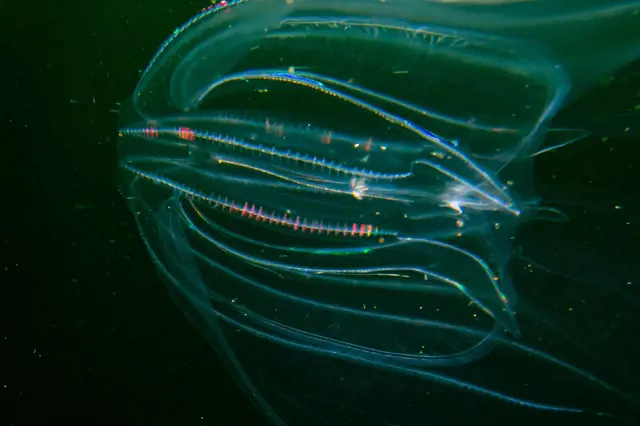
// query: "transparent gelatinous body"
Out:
[332,190]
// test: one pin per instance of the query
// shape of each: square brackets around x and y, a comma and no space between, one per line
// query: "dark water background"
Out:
[88,334]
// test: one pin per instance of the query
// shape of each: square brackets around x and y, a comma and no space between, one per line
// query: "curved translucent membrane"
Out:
[590,38]
[332,190]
